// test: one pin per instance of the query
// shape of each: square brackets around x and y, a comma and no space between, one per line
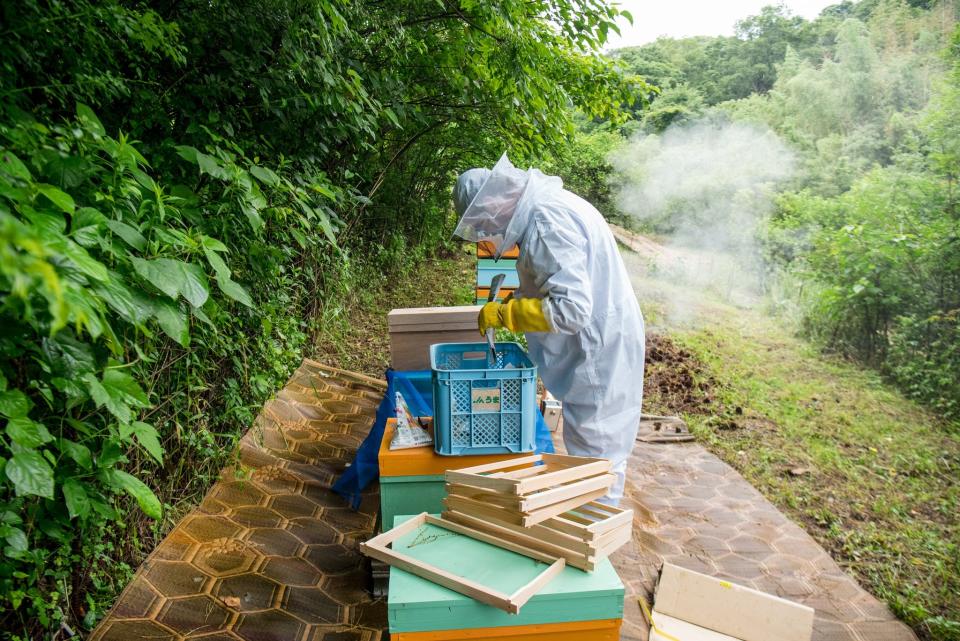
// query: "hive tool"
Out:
[495,285]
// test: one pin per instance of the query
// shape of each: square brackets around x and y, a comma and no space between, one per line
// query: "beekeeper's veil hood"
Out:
[494,205]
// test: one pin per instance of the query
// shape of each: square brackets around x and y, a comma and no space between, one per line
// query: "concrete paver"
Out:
[695,511]
[270,555]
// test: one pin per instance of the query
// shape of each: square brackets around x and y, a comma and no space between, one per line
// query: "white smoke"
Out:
[703,190]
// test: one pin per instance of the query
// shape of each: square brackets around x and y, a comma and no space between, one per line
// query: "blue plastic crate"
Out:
[482,407]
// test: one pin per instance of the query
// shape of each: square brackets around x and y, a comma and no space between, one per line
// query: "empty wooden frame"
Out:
[529,490]
[378,548]
[582,537]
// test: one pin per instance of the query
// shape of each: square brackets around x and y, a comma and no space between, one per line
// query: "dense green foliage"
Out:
[584,164]
[869,222]
[188,193]
[865,237]
[873,225]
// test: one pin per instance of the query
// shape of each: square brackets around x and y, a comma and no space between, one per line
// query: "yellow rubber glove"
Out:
[517,315]
[489,317]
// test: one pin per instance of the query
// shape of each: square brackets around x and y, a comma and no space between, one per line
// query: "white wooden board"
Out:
[730,609]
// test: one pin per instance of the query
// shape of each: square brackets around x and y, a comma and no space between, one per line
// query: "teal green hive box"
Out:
[411,480]
[419,605]
[410,495]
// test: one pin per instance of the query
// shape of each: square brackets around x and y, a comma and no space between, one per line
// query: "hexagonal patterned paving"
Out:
[270,554]
[693,510]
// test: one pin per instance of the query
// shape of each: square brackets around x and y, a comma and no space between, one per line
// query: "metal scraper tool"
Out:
[494,291]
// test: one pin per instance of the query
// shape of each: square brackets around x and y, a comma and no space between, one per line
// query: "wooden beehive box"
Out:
[413,330]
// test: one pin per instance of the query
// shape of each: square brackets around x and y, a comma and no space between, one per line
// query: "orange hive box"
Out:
[605,630]
[423,461]
[485,250]
[484,292]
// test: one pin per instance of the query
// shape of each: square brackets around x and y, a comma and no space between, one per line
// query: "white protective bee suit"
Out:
[592,360]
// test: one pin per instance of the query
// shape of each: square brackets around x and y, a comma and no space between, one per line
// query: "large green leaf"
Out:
[118,392]
[68,356]
[68,172]
[77,452]
[120,480]
[219,266]
[131,235]
[85,226]
[27,433]
[14,403]
[81,259]
[187,152]
[87,117]
[48,224]
[213,244]
[235,291]
[146,436]
[78,503]
[60,198]
[132,305]
[10,164]
[265,175]
[253,216]
[172,321]
[227,285]
[207,164]
[16,540]
[175,277]
[30,474]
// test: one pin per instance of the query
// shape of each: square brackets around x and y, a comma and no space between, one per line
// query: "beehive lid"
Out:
[419,605]
[418,319]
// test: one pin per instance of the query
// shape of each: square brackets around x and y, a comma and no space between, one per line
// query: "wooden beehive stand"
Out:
[545,502]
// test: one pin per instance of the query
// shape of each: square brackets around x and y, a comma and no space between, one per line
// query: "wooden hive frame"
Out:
[529,490]
[582,537]
[378,548]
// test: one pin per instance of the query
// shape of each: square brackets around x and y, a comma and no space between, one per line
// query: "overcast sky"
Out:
[679,18]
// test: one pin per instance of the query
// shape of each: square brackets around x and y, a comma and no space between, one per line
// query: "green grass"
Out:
[359,340]
[877,479]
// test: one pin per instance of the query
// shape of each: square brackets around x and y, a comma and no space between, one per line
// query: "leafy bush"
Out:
[117,291]
[887,263]
[585,168]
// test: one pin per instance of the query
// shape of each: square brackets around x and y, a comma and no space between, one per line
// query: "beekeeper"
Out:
[575,303]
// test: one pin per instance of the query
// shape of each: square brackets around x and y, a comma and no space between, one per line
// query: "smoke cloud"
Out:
[702,190]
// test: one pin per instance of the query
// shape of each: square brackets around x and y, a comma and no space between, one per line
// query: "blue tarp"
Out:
[417,390]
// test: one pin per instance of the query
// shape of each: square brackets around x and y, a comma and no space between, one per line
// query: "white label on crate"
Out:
[486,400]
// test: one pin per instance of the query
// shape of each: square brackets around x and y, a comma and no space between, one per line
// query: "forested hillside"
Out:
[862,235]
[189,192]
[809,168]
